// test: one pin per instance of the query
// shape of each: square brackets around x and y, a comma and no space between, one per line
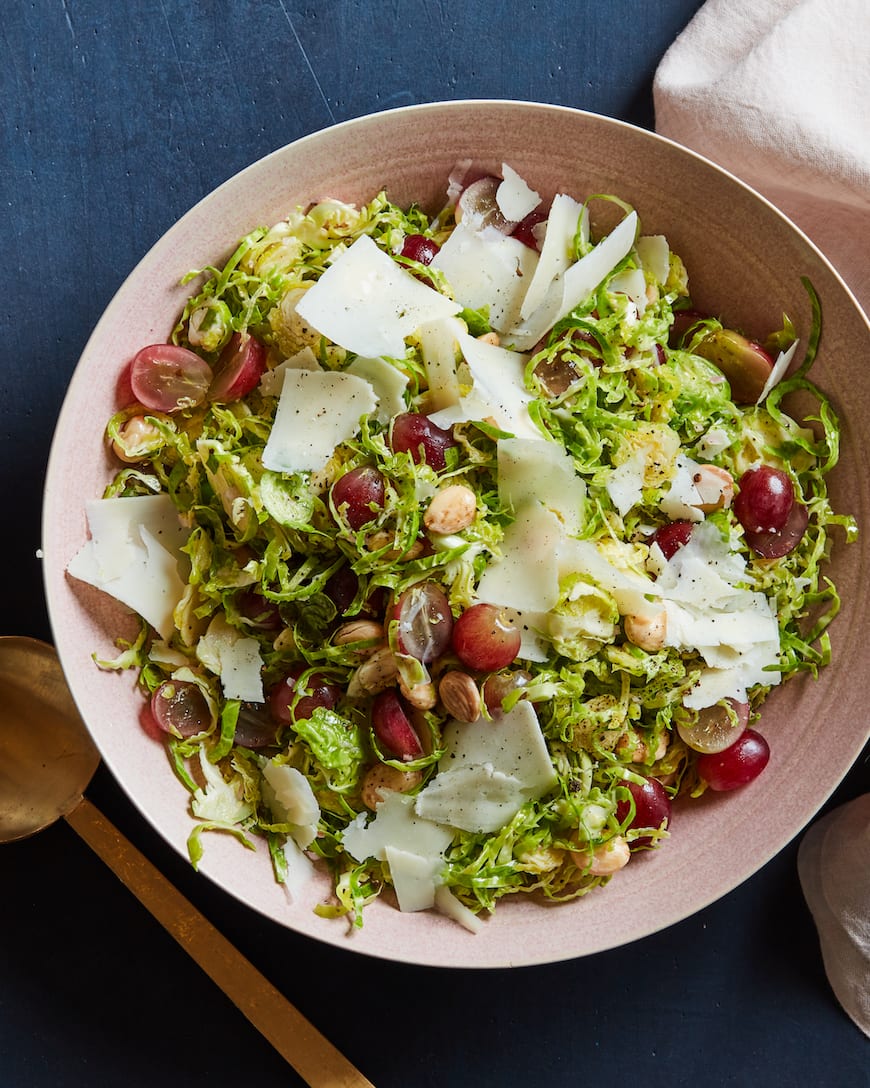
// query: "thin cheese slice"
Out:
[133,555]
[439,345]
[367,303]
[487,270]
[514,198]
[292,801]
[530,469]
[498,394]
[388,383]
[395,825]
[526,577]
[235,658]
[489,770]
[566,217]
[577,283]
[413,877]
[318,409]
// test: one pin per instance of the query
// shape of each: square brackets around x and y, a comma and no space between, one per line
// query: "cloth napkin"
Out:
[778,93]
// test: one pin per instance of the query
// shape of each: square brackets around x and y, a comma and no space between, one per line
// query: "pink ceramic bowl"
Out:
[745,261]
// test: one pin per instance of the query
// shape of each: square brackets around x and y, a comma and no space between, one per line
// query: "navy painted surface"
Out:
[114,119]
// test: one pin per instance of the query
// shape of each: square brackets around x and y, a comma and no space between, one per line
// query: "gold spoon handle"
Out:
[313,1057]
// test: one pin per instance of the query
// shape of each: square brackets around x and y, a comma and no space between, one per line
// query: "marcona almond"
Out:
[377,673]
[647,632]
[451,510]
[381,538]
[381,777]
[420,696]
[360,631]
[460,696]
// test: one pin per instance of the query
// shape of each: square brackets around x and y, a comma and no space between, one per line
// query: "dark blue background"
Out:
[114,119]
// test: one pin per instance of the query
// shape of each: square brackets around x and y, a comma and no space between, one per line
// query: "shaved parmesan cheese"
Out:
[318,409]
[292,801]
[489,770]
[525,576]
[272,380]
[778,371]
[235,658]
[413,878]
[565,218]
[624,483]
[514,197]
[529,469]
[388,383]
[682,498]
[447,903]
[300,868]
[133,555]
[629,589]
[632,283]
[439,345]
[487,270]
[577,283]
[655,256]
[367,303]
[498,393]
[395,825]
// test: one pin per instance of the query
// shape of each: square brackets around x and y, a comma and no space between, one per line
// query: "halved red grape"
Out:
[499,685]
[671,537]
[425,622]
[342,588]
[358,495]
[257,610]
[776,545]
[652,808]
[485,638]
[745,363]
[683,322]
[318,692]
[239,368]
[764,499]
[478,208]
[715,729]
[392,727]
[255,726]
[168,378]
[180,708]
[737,765]
[417,247]
[426,442]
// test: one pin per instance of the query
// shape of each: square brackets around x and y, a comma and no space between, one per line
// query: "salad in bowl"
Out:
[465,547]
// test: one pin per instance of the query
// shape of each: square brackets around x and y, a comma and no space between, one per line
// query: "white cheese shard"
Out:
[447,903]
[291,801]
[624,483]
[272,380]
[439,346]
[395,825]
[632,283]
[682,499]
[566,217]
[133,554]
[514,198]
[498,392]
[413,877]
[506,758]
[778,371]
[300,868]
[628,588]
[487,270]
[367,303]
[576,284]
[235,658]
[525,577]
[389,385]
[655,256]
[318,409]
[530,469]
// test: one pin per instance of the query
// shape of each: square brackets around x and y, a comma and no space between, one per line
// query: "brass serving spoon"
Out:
[47,759]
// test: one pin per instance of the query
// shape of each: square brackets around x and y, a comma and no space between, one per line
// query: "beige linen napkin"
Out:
[778,92]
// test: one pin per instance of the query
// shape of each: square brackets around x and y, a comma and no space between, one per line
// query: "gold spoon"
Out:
[47,759]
